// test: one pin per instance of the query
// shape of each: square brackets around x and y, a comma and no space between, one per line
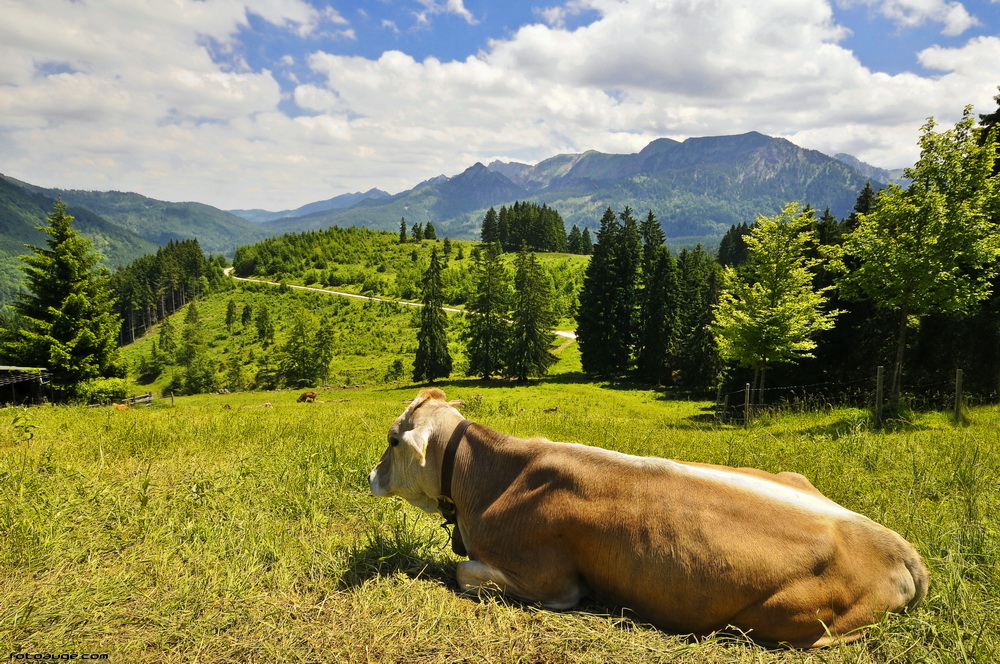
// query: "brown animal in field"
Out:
[121,406]
[307,397]
[690,547]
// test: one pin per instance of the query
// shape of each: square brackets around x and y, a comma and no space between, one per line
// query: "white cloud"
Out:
[952,15]
[131,95]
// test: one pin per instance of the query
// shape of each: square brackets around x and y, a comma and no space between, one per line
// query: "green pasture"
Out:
[238,528]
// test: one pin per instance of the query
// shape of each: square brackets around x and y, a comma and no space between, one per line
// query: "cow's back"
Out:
[696,547]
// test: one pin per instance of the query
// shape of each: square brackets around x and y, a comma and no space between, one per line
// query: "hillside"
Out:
[335,203]
[23,211]
[698,188]
[159,222]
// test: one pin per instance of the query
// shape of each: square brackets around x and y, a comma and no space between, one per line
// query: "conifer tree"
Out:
[432,360]
[230,315]
[402,230]
[587,244]
[264,325]
[595,330]
[65,318]
[574,243]
[488,332]
[491,227]
[607,314]
[531,320]
[429,232]
[659,316]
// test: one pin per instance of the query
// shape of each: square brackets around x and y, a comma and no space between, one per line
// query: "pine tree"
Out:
[574,243]
[660,306]
[607,314]
[230,315]
[531,320]
[65,318]
[402,230]
[488,332]
[417,232]
[587,244]
[264,325]
[491,227]
[429,232]
[432,360]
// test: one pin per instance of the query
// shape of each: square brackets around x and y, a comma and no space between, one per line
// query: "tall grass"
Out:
[222,530]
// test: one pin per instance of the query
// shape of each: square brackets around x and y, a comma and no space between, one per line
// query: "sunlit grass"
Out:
[220,529]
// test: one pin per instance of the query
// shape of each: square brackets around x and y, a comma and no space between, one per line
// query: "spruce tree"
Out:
[491,227]
[594,328]
[659,315]
[402,230]
[607,314]
[65,318]
[531,320]
[429,232]
[488,332]
[432,360]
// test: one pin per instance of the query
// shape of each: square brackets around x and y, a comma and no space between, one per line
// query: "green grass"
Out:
[222,530]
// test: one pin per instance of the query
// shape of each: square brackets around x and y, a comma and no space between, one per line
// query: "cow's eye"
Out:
[393,441]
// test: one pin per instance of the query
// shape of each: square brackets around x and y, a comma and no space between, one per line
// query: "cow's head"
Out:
[403,469]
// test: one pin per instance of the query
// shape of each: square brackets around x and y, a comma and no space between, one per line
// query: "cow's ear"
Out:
[416,439]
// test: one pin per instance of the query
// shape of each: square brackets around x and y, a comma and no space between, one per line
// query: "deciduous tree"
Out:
[769,311]
[932,247]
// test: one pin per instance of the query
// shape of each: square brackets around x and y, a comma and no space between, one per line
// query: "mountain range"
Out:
[698,188]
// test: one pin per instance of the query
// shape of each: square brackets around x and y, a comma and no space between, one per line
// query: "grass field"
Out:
[218,529]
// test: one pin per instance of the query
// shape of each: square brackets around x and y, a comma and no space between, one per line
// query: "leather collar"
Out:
[446,504]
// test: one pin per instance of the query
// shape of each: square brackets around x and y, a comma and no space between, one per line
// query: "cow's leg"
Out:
[473,574]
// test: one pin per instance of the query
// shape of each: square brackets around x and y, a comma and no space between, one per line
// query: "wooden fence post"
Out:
[958,396]
[879,381]
[746,406]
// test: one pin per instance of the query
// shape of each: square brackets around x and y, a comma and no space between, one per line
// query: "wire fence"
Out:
[743,405]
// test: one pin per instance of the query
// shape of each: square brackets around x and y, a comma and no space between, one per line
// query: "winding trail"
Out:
[565,334]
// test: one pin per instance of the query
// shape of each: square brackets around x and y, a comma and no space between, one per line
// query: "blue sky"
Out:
[276,103]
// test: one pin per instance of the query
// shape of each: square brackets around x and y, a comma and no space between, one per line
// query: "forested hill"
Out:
[23,211]
[698,188]
[160,221]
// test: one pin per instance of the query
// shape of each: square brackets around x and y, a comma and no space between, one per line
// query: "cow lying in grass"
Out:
[689,547]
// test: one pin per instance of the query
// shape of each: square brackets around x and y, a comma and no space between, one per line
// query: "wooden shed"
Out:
[20,385]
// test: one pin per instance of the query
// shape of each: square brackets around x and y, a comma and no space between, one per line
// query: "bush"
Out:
[102,390]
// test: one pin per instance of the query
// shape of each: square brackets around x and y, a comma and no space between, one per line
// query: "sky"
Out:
[273,104]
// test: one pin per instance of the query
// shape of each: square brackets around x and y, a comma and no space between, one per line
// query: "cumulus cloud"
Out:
[952,15]
[92,98]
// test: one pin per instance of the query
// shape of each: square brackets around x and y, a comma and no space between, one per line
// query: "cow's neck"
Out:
[486,464]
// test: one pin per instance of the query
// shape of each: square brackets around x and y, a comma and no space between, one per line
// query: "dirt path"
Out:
[565,334]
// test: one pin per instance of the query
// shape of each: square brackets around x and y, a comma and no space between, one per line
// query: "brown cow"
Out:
[307,397]
[689,547]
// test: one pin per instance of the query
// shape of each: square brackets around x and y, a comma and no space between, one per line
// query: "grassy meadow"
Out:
[221,529]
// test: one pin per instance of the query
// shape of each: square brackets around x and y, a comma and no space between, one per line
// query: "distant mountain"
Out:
[885,176]
[160,221]
[335,203]
[21,213]
[698,188]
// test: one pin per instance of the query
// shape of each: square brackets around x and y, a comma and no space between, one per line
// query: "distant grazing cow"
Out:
[121,406]
[307,397]
[689,547]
